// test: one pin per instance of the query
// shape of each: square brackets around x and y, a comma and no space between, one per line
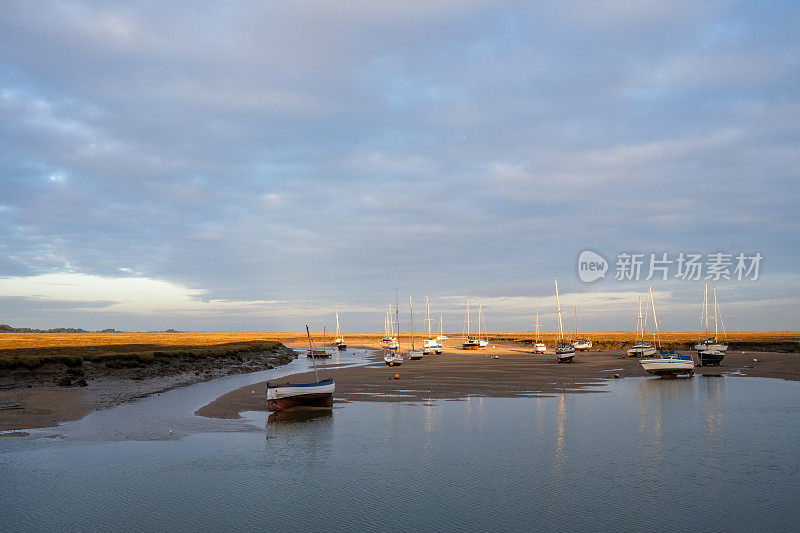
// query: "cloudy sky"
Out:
[259,166]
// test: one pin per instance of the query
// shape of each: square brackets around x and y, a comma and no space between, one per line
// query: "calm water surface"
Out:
[708,454]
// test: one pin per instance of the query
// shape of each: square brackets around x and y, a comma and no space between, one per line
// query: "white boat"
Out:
[469,343]
[670,363]
[565,351]
[431,345]
[538,345]
[709,350]
[482,342]
[285,395]
[413,353]
[580,344]
[389,341]
[642,348]
[392,357]
[339,342]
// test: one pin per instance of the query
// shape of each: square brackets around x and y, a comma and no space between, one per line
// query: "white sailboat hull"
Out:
[393,359]
[668,367]
[539,347]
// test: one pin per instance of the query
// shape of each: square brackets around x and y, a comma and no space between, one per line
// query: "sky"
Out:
[260,166]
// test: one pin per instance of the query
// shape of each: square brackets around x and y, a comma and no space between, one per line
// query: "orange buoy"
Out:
[397,376]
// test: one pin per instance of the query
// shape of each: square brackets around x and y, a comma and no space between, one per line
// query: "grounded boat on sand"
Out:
[339,342]
[709,350]
[565,351]
[580,344]
[431,345]
[281,396]
[391,355]
[413,353]
[642,348]
[671,363]
[538,345]
[469,343]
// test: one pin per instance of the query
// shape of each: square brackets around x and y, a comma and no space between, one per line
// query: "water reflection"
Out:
[559,458]
[299,414]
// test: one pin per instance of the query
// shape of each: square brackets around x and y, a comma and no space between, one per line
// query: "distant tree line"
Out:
[5,328]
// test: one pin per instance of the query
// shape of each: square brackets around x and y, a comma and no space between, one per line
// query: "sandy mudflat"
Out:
[457,374]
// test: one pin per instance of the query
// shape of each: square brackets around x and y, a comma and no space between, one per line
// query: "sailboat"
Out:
[315,352]
[671,363]
[442,336]
[389,341]
[413,353]
[431,345]
[340,344]
[482,341]
[391,355]
[580,344]
[642,348]
[565,351]
[282,396]
[538,345]
[469,343]
[711,351]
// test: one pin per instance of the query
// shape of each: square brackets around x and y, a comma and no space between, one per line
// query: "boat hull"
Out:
[668,367]
[710,358]
[341,346]
[284,396]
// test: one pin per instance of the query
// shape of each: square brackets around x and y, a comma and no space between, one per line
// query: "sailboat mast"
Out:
[576,323]
[411,314]
[558,307]
[639,327]
[655,319]
[716,328]
[311,351]
[397,314]
[705,307]
[428,316]
[337,325]
[537,323]
[467,319]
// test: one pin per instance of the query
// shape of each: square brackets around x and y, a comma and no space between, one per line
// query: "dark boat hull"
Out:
[710,359]
[308,400]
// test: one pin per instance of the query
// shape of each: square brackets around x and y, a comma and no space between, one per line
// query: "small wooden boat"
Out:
[286,395]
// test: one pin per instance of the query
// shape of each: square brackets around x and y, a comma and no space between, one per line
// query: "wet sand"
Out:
[515,372]
[34,399]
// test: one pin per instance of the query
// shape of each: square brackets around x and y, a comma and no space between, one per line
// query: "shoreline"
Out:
[54,393]
[458,374]
[31,398]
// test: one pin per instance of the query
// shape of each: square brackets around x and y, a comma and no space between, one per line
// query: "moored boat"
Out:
[565,351]
[431,345]
[671,363]
[281,396]
[642,348]
[538,345]
[709,350]
[469,343]
[339,342]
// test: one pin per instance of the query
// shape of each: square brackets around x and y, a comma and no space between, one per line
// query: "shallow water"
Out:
[647,454]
